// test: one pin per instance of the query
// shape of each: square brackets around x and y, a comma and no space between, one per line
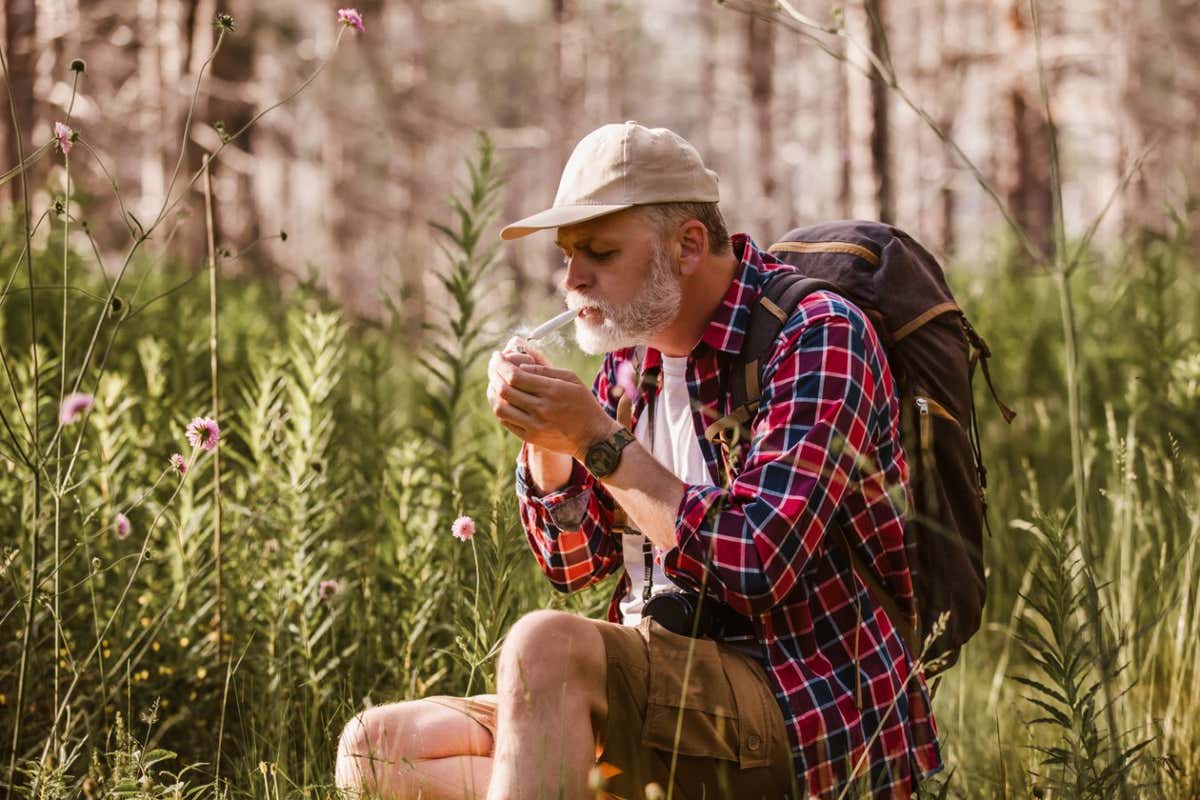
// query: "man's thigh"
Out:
[688,709]
[436,727]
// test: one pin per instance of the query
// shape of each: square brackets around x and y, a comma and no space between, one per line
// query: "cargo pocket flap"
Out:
[689,693]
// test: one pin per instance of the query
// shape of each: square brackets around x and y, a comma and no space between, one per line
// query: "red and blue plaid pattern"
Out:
[824,454]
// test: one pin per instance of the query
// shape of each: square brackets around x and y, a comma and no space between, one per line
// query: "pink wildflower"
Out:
[351,19]
[179,463]
[327,589]
[203,432]
[627,380]
[65,136]
[121,522]
[463,529]
[73,405]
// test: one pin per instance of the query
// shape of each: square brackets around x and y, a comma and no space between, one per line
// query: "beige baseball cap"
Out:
[618,166]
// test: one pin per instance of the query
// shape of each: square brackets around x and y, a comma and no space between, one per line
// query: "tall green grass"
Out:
[348,450]
[338,467]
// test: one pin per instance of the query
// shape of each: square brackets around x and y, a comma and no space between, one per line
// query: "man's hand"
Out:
[547,407]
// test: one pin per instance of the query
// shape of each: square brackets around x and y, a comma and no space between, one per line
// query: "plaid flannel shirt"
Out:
[824,452]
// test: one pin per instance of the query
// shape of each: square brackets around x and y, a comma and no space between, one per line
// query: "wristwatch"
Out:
[603,457]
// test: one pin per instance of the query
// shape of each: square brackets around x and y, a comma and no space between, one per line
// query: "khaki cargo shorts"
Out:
[725,726]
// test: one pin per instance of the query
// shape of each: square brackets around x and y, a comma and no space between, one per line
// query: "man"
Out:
[822,697]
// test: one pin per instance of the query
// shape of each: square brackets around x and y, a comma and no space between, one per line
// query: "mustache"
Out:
[577,301]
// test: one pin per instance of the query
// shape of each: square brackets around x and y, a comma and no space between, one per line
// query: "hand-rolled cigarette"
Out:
[554,324]
[550,326]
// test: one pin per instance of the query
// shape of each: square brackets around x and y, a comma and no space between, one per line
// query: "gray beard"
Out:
[650,312]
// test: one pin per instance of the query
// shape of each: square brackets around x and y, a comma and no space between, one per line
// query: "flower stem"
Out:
[216,399]
[35,552]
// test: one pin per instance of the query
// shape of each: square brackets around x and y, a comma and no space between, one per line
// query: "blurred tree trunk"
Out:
[867,101]
[950,97]
[1025,177]
[419,189]
[841,102]
[708,78]
[1156,69]
[20,18]
[150,117]
[760,69]
[198,23]
[561,82]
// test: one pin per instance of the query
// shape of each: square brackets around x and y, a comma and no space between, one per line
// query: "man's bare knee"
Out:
[363,751]
[547,653]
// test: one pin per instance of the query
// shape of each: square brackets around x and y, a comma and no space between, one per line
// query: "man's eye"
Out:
[590,254]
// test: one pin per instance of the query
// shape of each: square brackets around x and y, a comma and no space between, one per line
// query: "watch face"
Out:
[602,459]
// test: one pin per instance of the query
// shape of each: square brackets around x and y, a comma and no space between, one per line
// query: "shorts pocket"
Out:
[702,709]
[762,740]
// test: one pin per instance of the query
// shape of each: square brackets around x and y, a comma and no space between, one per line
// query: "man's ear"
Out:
[693,246]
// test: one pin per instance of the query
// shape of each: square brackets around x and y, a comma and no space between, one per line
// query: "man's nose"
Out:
[576,279]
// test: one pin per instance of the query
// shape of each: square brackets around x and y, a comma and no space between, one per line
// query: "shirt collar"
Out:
[726,330]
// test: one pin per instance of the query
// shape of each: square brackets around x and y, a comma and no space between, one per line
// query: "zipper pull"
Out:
[925,428]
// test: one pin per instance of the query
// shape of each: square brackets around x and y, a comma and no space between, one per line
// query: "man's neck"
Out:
[702,296]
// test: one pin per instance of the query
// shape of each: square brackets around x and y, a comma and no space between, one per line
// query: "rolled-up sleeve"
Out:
[808,441]
[570,528]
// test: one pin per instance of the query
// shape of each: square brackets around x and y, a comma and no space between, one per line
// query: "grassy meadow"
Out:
[207,631]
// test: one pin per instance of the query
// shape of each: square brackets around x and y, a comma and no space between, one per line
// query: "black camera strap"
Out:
[647,547]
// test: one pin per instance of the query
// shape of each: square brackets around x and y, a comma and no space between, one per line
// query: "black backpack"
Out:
[932,351]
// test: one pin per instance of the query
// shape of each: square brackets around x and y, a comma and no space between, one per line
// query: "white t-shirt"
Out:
[677,447]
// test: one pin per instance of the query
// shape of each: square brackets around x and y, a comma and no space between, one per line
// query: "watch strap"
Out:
[612,446]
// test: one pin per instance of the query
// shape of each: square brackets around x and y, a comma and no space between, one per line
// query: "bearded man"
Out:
[806,688]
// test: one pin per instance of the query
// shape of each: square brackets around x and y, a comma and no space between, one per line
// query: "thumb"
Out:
[521,345]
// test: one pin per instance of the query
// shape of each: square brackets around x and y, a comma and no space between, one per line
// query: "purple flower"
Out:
[203,432]
[627,380]
[121,522]
[65,136]
[351,19]
[73,405]
[463,529]
[327,589]
[179,463]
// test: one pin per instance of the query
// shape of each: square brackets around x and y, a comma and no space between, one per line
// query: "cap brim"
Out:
[557,217]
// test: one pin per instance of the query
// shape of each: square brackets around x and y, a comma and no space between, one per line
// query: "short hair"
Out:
[667,217]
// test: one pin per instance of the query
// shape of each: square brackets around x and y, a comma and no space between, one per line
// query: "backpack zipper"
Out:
[928,405]
[925,427]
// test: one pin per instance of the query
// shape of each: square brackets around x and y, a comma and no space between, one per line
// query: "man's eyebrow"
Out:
[589,244]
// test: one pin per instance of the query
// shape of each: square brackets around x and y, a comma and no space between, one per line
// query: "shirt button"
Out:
[753,742]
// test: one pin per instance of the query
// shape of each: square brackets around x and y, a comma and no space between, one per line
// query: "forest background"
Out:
[245,618]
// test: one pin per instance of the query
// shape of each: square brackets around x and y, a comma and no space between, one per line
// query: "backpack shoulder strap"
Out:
[780,297]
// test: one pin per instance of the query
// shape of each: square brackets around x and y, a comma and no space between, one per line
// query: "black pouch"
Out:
[685,614]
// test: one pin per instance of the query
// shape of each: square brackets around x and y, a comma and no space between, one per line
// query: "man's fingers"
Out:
[505,365]
[503,393]
[543,371]
[506,411]
[516,430]
[517,397]
[519,348]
